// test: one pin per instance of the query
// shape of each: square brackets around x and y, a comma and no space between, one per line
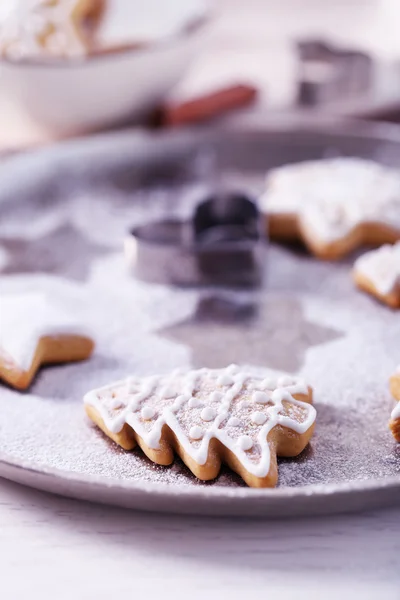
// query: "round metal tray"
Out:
[65,211]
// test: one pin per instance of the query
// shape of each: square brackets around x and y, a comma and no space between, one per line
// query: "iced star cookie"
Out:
[209,417]
[34,332]
[378,273]
[333,205]
[395,418]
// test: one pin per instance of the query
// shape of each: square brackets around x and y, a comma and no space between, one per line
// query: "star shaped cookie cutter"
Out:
[223,243]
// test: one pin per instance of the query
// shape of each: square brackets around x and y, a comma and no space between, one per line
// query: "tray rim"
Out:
[301,501]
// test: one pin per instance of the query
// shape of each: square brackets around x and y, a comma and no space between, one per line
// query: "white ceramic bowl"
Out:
[104,90]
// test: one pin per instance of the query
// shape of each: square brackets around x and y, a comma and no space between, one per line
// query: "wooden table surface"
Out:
[60,549]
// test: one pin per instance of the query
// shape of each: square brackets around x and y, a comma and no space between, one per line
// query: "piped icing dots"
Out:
[197,414]
[332,196]
[116,404]
[196,432]
[260,398]
[245,443]
[194,403]
[147,413]
[234,422]
[208,414]
[381,267]
[258,418]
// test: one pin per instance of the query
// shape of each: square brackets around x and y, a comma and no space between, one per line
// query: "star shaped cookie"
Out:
[209,417]
[333,205]
[395,418]
[378,273]
[34,331]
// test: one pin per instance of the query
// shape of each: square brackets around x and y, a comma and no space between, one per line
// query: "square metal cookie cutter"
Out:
[328,73]
[223,243]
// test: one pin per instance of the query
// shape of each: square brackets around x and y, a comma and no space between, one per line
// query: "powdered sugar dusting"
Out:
[349,372]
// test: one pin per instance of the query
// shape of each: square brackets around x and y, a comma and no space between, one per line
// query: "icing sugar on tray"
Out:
[310,320]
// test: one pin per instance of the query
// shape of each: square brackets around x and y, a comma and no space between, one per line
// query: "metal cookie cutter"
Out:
[328,73]
[222,244]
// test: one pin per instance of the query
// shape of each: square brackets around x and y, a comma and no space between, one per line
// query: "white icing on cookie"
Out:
[116,403]
[196,432]
[195,403]
[25,319]
[258,418]
[225,379]
[208,414]
[332,196]
[260,398]
[245,443]
[285,381]
[381,267]
[225,417]
[131,385]
[147,413]
[269,383]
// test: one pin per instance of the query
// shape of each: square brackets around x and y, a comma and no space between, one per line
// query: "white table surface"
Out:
[57,548]
[52,547]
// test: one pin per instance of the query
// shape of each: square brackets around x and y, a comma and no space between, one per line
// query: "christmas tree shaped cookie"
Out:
[209,417]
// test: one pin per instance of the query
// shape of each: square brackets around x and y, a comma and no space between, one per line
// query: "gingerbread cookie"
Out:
[333,205]
[378,273]
[395,419]
[34,332]
[46,28]
[208,417]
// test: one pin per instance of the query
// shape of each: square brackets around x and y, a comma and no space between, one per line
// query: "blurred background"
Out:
[339,57]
